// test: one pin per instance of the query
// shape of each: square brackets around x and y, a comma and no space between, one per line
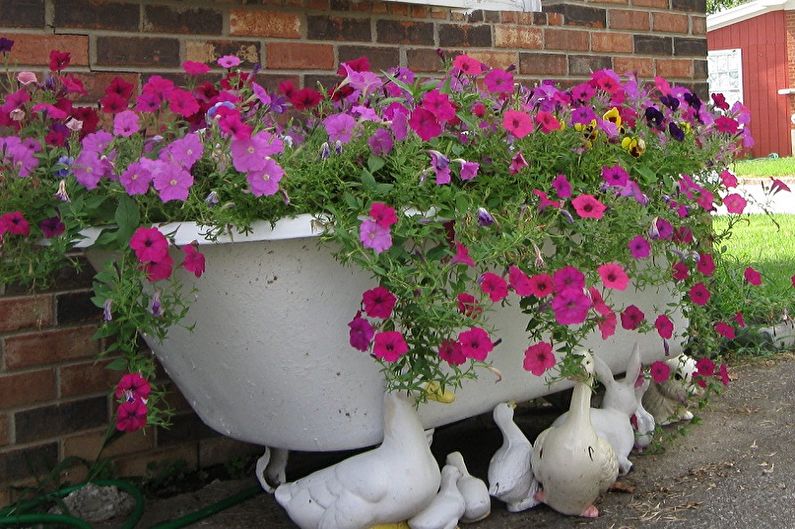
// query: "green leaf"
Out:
[648,174]
[351,201]
[368,181]
[374,163]
[106,239]
[127,218]
[120,364]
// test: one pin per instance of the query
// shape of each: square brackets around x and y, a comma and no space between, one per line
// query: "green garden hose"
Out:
[18,514]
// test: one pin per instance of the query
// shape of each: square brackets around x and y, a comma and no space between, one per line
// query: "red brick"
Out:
[642,67]
[25,312]
[290,56]
[626,19]
[440,13]
[664,4]
[675,68]
[698,25]
[35,49]
[97,14]
[208,51]
[88,378]
[23,389]
[670,22]
[625,2]
[4,435]
[495,59]
[49,347]
[518,37]
[562,39]
[87,445]
[133,51]
[524,19]
[22,14]
[555,19]
[96,82]
[136,465]
[615,42]
[319,5]
[545,64]
[194,21]
[264,24]
[420,11]
[423,60]
[398,9]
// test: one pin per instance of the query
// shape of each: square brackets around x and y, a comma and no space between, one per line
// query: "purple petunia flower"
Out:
[469,170]
[639,247]
[172,182]
[250,154]
[265,182]
[52,227]
[184,152]
[441,166]
[484,217]
[88,169]
[374,236]
[381,142]
[339,127]
[126,124]
[136,179]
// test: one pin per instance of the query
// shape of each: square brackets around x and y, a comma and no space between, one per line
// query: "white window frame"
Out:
[713,56]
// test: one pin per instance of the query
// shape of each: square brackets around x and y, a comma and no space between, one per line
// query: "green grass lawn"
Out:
[765,167]
[758,242]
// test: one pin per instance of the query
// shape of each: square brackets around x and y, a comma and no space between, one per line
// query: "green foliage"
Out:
[713,6]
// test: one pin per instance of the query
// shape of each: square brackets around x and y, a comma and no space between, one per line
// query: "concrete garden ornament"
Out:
[667,401]
[511,478]
[474,491]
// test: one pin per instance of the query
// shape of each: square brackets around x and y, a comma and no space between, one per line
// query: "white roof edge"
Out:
[747,11]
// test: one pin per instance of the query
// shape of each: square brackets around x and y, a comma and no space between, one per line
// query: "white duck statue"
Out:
[388,484]
[474,491]
[511,477]
[571,462]
[446,508]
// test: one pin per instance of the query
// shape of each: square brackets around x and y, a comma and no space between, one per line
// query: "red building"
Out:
[752,58]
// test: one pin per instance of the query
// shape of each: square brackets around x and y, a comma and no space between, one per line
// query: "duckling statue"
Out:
[474,491]
[386,485]
[446,508]
[511,476]
[571,462]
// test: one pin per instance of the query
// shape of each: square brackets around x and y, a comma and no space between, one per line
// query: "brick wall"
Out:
[53,397]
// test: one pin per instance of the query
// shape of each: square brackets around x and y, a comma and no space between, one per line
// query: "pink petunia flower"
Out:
[475,343]
[440,105]
[728,179]
[588,207]
[706,264]
[518,163]
[378,302]
[468,65]
[251,153]
[499,81]
[735,203]
[195,68]
[538,358]
[266,181]
[699,294]
[425,124]
[544,201]
[568,277]
[639,247]
[752,276]
[570,306]
[615,175]
[517,123]
[339,127]
[126,124]
[159,270]
[468,305]
[25,78]
[519,281]
[149,245]
[725,330]
[14,223]
[469,170]
[361,333]
[632,317]
[451,352]
[374,236]
[493,285]
[562,186]
[660,371]
[613,276]
[541,285]
[193,260]
[665,327]
[547,121]
[389,346]
[462,256]
[228,61]
[131,416]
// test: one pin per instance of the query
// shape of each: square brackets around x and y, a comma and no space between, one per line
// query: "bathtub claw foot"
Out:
[272,468]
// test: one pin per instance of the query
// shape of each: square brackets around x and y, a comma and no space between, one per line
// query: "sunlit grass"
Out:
[765,167]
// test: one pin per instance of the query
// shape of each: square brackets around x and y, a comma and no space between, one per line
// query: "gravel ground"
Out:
[733,470]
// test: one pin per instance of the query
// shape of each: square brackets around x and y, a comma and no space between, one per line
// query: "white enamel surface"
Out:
[269,360]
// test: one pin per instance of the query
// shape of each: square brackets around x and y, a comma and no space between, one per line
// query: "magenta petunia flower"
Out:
[195,68]
[389,346]
[699,294]
[725,330]
[583,116]
[723,374]
[562,186]
[705,367]
[544,201]
[728,179]
[499,81]
[778,185]
[339,127]
[752,276]
[663,229]
[14,223]
[361,333]
[172,182]
[469,170]
[538,358]
[136,179]
[468,305]
[541,285]
[149,245]
[570,306]
[451,352]
[607,324]
[517,123]
[228,61]
[613,276]
[440,105]
[159,270]
[547,121]
[518,163]
[462,256]
[52,227]
[193,260]
[475,343]
[126,124]
[660,371]
[727,125]
[381,142]
[379,302]
[588,207]
[568,277]
[441,166]
[131,416]
[519,281]
[639,247]
[739,319]
[615,175]
[706,264]
[665,327]
[493,285]
[132,386]
[425,124]
[266,181]
[680,271]
[182,102]
[734,203]
[374,236]
[383,214]
[468,65]
[632,317]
